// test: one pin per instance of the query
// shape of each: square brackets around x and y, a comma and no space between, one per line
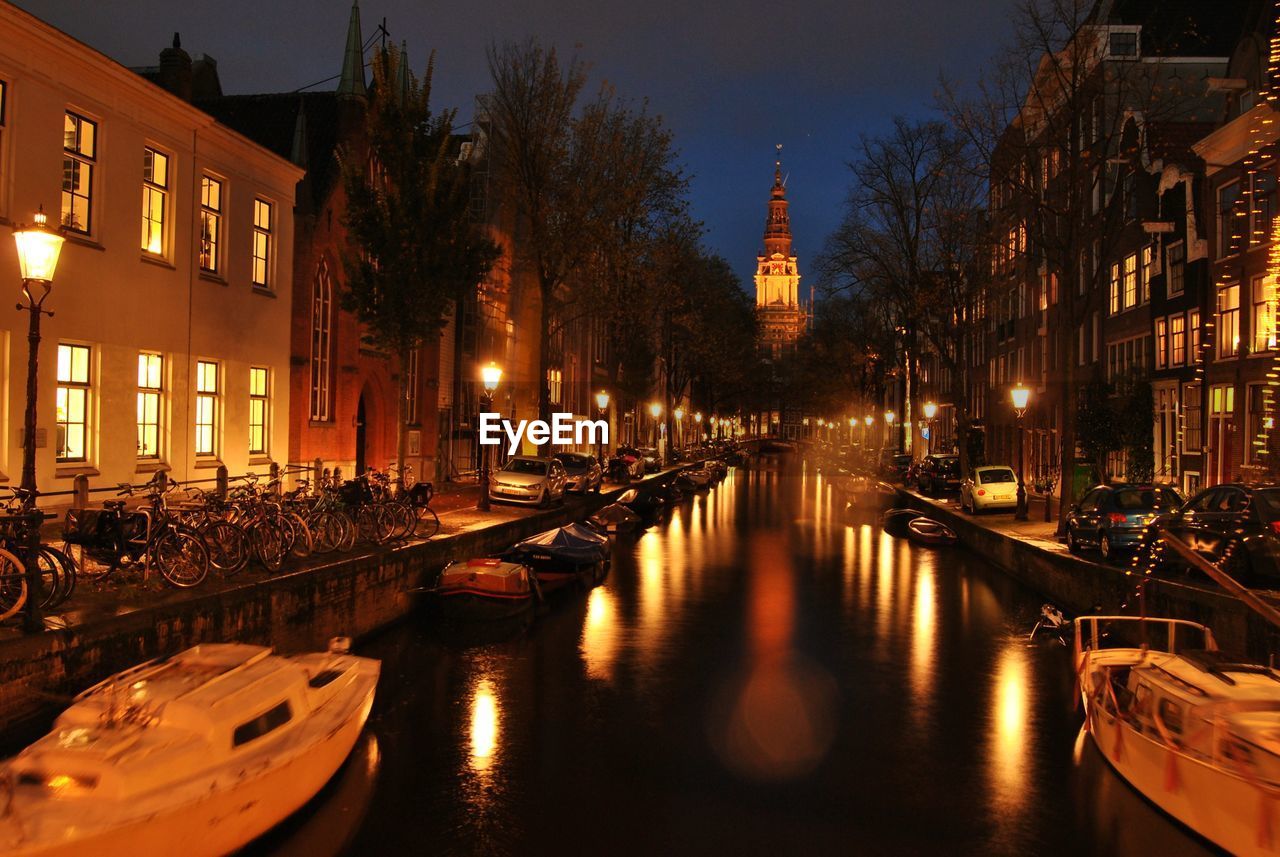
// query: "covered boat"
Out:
[483,590]
[561,556]
[1196,735]
[642,502]
[927,531]
[198,753]
[695,478]
[613,519]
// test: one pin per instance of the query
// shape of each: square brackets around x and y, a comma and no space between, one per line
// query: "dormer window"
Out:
[1123,44]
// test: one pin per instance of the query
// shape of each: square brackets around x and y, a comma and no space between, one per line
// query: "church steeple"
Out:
[777,226]
[351,83]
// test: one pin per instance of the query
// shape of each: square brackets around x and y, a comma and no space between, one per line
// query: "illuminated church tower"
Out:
[782,316]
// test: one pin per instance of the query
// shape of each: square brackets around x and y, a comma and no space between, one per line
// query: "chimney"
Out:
[175,70]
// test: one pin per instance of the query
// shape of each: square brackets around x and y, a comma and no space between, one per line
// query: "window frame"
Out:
[1226,214]
[260,410]
[208,213]
[1227,323]
[263,249]
[321,359]
[1170,265]
[69,385]
[88,161]
[148,392]
[153,191]
[213,397]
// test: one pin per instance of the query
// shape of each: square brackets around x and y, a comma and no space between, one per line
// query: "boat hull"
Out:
[226,819]
[1222,807]
[471,606]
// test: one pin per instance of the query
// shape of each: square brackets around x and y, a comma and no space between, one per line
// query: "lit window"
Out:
[79,153]
[1192,434]
[150,373]
[1264,319]
[1131,281]
[210,223]
[1114,302]
[1228,327]
[1193,325]
[73,402]
[1162,342]
[4,93]
[321,342]
[259,408]
[206,407]
[261,243]
[1177,340]
[155,198]
[1148,270]
[554,380]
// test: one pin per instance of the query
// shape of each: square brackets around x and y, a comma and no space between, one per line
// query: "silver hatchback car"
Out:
[529,481]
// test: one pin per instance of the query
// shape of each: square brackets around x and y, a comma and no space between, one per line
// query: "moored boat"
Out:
[642,502]
[483,590]
[927,531]
[563,556]
[198,753]
[1196,735]
[614,519]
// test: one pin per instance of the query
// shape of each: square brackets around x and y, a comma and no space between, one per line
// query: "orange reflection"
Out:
[923,632]
[484,726]
[600,634]
[1010,709]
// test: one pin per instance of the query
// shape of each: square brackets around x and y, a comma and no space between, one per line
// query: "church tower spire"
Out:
[782,316]
[351,83]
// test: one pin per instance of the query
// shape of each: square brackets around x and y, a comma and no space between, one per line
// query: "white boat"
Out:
[195,754]
[1197,736]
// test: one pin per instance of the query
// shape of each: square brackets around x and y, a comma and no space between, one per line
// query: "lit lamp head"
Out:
[602,400]
[678,413]
[697,418]
[1021,397]
[655,410]
[889,417]
[852,420]
[930,410]
[868,420]
[38,249]
[491,375]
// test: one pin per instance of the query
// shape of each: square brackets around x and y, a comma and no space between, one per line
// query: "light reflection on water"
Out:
[765,672]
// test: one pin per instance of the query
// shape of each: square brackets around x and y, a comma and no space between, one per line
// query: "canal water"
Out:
[764,672]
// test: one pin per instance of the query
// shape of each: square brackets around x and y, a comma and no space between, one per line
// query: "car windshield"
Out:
[948,466]
[986,477]
[1268,503]
[1131,499]
[526,465]
[577,462]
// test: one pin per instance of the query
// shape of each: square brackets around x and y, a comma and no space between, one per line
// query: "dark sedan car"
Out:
[1113,518]
[583,470]
[938,474]
[1236,523]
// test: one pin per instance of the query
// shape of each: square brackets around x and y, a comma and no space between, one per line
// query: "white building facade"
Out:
[168,348]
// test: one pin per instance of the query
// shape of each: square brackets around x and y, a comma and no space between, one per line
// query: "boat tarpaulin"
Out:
[573,543]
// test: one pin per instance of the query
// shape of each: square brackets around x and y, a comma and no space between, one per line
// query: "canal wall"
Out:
[1077,585]
[352,595]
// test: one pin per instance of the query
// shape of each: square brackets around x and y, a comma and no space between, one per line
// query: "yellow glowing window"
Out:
[155,200]
[210,223]
[150,371]
[79,152]
[206,407]
[259,404]
[262,235]
[73,402]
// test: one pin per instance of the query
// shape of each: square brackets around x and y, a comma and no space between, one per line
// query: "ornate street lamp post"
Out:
[655,411]
[930,411]
[38,249]
[889,417]
[602,403]
[1020,396]
[678,440]
[697,421]
[492,376]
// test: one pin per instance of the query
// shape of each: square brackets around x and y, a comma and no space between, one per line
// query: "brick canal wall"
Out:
[295,611]
[1079,586]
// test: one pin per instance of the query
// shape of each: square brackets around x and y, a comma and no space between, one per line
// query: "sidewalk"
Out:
[1034,530]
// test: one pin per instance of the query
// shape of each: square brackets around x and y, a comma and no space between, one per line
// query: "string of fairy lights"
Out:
[1259,160]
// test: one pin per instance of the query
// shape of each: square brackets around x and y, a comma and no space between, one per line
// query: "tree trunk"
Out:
[1067,456]
[544,352]
[402,413]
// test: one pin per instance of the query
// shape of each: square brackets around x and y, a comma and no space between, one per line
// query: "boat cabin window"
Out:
[1142,701]
[268,721]
[324,677]
[1171,714]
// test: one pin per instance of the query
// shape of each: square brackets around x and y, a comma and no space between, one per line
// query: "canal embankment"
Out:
[1079,585]
[353,595]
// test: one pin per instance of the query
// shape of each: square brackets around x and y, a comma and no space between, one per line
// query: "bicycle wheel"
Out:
[402,520]
[428,523]
[326,530]
[349,532]
[57,578]
[374,524]
[13,585]
[228,547]
[181,556]
[268,542]
[303,538]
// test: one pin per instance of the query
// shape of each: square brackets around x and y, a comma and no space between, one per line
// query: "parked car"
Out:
[583,471]
[990,487]
[1114,518]
[626,462]
[1232,522]
[894,465]
[529,480]
[938,474]
[652,462]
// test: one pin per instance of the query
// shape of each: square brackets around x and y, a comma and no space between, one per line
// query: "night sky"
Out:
[731,79]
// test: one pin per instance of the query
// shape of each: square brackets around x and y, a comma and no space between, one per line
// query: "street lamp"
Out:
[930,411]
[38,250]
[602,404]
[1021,396]
[491,376]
